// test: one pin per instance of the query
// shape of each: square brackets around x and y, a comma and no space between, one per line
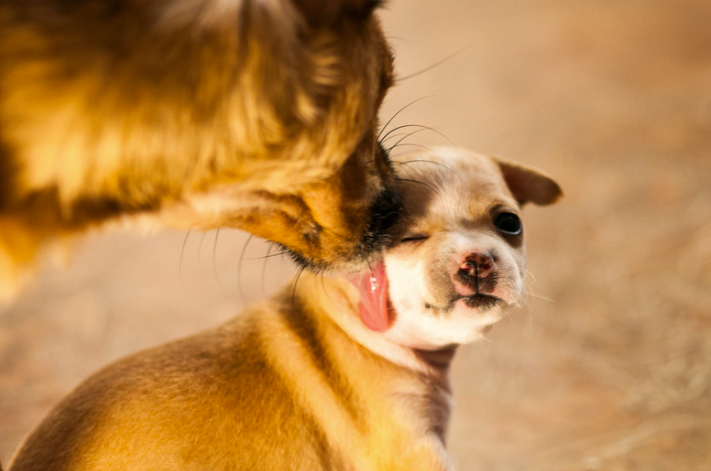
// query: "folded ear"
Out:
[529,184]
[324,13]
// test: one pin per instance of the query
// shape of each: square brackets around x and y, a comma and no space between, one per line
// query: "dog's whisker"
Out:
[391,137]
[542,298]
[180,262]
[527,274]
[325,289]
[265,259]
[398,112]
[296,281]
[433,66]
[214,258]
[399,142]
[436,131]
[412,144]
[199,251]
[388,135]
[239,269]
[414,181]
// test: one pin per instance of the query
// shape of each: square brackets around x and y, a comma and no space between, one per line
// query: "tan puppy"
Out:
[335,375]
[254,114]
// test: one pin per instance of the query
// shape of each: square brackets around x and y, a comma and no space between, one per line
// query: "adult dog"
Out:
[331,375]
[254,114]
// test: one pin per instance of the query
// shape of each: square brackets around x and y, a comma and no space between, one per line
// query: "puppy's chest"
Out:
[372,414]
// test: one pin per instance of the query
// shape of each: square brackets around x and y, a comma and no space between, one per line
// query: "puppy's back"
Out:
[201,402]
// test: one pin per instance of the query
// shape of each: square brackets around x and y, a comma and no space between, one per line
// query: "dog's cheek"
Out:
[341,203]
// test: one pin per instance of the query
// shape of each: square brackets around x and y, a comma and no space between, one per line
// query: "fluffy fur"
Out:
[254,114]
[302,381]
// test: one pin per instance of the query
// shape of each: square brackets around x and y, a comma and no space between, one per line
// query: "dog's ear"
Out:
[529,184]
[324,13]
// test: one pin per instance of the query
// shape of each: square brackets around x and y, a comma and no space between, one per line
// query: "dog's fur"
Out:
[254,114]
[336,375]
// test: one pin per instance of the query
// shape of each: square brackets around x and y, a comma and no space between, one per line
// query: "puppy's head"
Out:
[457,256]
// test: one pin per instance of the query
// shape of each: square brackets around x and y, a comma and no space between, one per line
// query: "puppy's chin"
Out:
[424,329]
[482,302]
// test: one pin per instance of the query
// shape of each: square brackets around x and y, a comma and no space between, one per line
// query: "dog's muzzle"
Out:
[385,212]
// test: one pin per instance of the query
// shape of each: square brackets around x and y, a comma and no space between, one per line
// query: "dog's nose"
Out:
[477,265]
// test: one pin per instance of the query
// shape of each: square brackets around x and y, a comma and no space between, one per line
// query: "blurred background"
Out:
[608,366]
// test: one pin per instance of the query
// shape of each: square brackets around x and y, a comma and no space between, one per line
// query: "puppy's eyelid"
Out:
[414,238]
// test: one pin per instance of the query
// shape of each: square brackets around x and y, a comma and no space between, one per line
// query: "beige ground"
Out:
[609,366]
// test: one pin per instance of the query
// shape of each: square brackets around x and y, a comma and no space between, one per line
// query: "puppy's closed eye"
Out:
[414,238]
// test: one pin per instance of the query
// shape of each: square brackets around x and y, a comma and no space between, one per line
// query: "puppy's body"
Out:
[340,374]
[281,387]
[259,115]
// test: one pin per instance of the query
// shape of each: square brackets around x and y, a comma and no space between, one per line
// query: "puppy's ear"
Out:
[325,13]
[528,184]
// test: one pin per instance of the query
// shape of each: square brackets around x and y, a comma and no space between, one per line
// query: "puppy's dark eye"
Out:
[414,238]
[508,223]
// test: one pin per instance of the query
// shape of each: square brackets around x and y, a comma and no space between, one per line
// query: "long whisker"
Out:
[180,262]
[214,258]
[411,144]
[296,280]
[202,239]
[427,128]
[403,126]
[264,268]
[239,269]
[398,112]
[403,138]
[271,255]
[542,298]
[436,64]
[414,181]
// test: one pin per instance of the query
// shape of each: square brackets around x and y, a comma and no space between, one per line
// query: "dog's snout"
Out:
[386,211]
[477,265]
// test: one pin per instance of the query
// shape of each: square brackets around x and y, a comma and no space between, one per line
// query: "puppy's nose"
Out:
[477,265]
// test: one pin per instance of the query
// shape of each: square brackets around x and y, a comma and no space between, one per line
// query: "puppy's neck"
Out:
[339,299]
[409,385]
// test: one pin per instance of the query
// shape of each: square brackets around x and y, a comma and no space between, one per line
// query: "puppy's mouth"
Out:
[481,301]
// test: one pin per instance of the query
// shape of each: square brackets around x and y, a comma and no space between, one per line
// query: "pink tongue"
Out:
[373,288]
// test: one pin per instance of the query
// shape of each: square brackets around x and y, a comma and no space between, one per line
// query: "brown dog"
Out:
[254,114]
[329,376]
